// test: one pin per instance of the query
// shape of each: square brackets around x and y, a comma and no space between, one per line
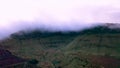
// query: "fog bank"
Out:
[56,15]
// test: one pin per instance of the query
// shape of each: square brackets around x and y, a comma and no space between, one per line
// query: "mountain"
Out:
[69,49]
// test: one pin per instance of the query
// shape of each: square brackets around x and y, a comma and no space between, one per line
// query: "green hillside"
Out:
[106,44]
[68,50]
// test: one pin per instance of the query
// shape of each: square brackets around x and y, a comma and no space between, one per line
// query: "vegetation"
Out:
[68,50]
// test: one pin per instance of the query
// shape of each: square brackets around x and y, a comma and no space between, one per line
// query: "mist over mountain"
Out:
[38,33]
[66,27]
[62,33]
[42,29]
[55,15]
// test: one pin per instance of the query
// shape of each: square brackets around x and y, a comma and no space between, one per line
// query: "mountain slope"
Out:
[68,50]
[106,44]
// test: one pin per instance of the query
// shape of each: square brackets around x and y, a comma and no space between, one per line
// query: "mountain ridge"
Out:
[63,50]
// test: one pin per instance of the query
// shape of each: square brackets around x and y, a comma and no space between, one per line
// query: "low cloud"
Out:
[55,15]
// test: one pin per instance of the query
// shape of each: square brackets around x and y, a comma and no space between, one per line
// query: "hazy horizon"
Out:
[56,15]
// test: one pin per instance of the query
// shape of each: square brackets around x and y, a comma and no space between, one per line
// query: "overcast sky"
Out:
[56,14]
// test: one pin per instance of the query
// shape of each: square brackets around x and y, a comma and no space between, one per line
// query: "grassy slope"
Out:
[91,44]
[66,51]
[44,49]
